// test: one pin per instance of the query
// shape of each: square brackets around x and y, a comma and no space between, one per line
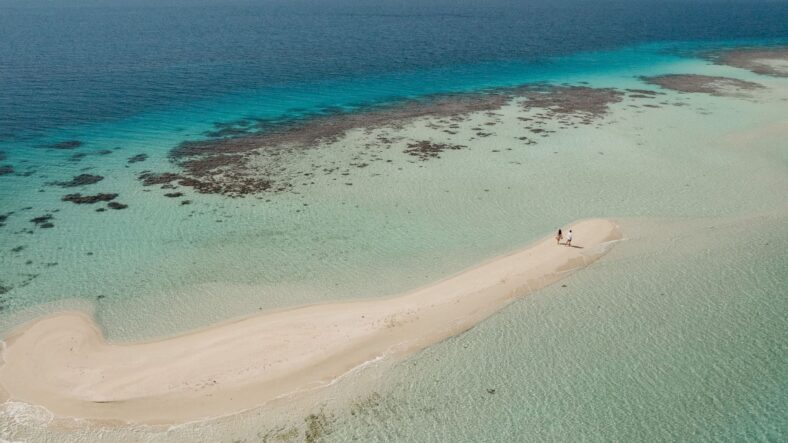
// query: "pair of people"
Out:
[560,236]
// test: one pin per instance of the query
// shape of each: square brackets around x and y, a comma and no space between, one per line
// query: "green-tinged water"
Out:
[679,334]
[674,336]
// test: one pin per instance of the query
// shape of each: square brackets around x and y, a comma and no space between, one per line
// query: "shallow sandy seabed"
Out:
[62,361]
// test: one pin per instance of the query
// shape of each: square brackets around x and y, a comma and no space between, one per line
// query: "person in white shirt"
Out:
[569,238]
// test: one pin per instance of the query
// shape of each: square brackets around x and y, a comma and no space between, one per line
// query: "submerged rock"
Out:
[150,178]
[77,157]
[6,169]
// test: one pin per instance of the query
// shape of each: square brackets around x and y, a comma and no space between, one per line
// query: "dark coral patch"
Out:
[581,102]
[764,61]
[694,83]
[257,161]
[137,158]
[253,156]
[648,92]
[77,157]
[116,205]
[6,169]
[426,150]
[68,144]
[88,199]
[80,180]
[149,178]
[43,221]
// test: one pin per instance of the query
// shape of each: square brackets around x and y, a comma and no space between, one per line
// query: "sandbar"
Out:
[63,362]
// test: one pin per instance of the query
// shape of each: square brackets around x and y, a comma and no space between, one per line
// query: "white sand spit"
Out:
[63,362]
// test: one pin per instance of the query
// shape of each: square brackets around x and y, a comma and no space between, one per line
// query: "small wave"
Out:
[15,416]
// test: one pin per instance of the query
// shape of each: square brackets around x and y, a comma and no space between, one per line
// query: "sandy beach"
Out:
[63,362]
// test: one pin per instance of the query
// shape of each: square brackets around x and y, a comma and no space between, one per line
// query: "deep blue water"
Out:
[67,65]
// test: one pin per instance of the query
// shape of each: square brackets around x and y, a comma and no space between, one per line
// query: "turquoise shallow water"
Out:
[380,243]
[679,334]
[646,345]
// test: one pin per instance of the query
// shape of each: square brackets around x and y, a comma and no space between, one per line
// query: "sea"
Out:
[679,334]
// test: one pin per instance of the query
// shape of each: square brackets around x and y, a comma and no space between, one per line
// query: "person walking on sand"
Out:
[558,237]
[569,238]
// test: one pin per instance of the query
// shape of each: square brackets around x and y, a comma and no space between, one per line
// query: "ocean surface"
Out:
[679,334]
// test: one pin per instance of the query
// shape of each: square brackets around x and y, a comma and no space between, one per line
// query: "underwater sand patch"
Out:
[713,85]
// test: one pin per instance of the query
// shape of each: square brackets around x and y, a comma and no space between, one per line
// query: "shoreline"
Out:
[63,363]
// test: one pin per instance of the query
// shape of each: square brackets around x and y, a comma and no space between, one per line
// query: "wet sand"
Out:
[63,363]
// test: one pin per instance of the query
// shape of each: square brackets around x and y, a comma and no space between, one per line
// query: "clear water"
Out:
[678,335]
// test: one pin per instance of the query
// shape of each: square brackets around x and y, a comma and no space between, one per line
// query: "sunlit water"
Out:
[678,334]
